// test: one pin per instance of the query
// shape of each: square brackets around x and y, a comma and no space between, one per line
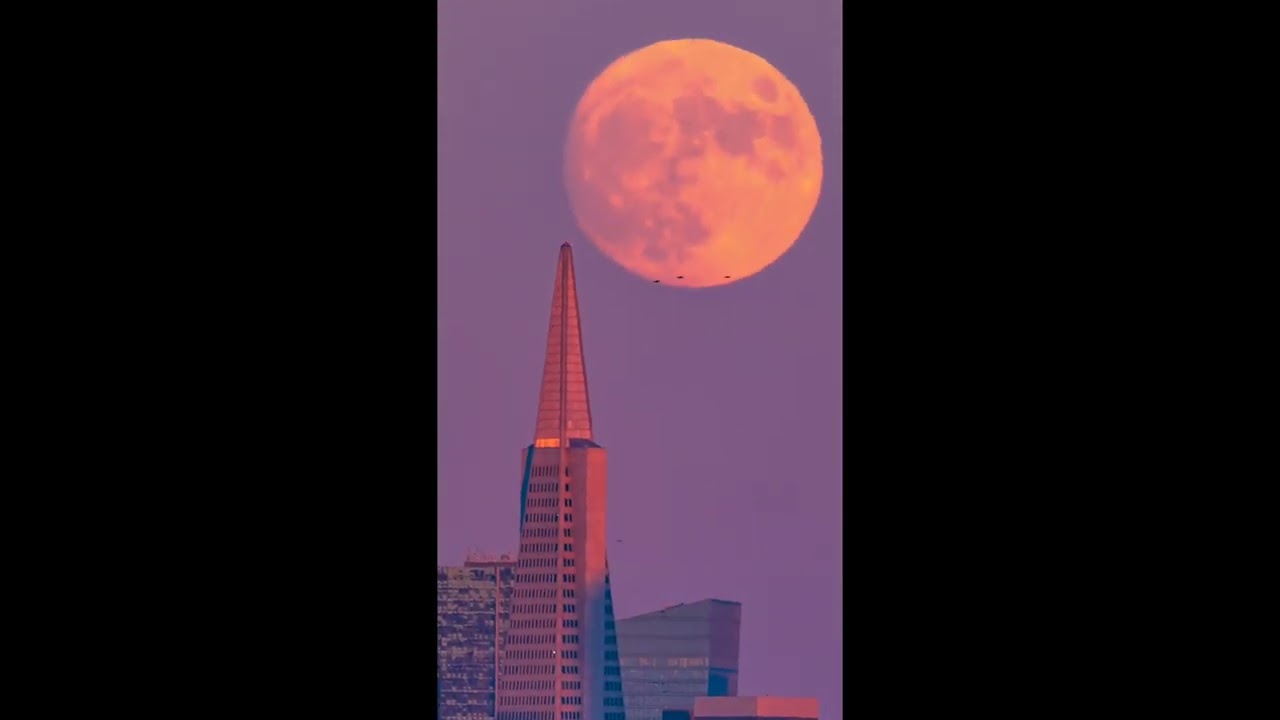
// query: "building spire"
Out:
[564,411]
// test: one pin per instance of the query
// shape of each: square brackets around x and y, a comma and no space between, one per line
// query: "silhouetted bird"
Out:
[679,277]
[726,277]
[657,281]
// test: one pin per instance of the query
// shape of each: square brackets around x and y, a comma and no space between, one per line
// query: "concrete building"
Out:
[473,604]
[561,653]
[755,708]
[674,655]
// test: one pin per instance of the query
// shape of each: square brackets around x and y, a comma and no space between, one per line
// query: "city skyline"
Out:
[669,656]
[721,408]
[578,670]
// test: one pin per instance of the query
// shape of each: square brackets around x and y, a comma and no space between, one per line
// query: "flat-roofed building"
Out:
[473,605]
[673,655]
[755,708]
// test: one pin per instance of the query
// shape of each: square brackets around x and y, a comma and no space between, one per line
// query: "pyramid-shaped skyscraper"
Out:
[560,657]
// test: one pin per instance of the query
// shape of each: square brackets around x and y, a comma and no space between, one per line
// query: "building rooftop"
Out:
[683,608]
[755,707]
[708,600]
[478,559]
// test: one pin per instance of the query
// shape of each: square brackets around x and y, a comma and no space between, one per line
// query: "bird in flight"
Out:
[681,277]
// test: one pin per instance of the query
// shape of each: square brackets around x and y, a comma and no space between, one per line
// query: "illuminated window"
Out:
[547,442]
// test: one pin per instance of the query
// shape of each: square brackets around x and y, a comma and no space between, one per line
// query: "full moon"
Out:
[693,158]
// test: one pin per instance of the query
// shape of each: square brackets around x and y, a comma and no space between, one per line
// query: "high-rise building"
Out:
[473,603]
[674,655]
[755,708]
[561,659]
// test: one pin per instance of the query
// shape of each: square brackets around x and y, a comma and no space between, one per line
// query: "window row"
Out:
[530,715]
[543,547]
[535,624]
[526,684]
[536,578]
[535,593]
[532,609]
[510,654]
[526,700]
[528,562]
[547,487]
[508,670]
[530,639]
[547,517]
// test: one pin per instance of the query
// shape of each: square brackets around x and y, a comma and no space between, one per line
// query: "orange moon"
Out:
[693,158]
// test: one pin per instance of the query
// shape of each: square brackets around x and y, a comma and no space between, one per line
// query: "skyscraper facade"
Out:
[473,605]
[561,658]
[674,655]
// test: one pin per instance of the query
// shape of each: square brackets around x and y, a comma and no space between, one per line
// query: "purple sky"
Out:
[720,408]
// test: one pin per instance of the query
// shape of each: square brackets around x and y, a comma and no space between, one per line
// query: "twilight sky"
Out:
[720,408]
